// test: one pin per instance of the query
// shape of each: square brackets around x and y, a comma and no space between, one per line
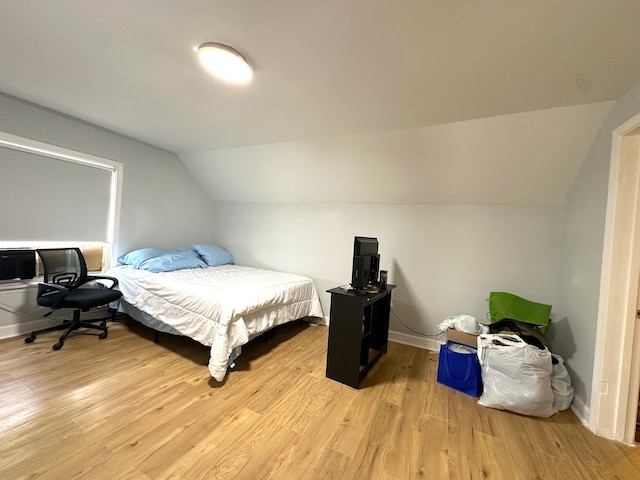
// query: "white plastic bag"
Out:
[516,376]
[563,391]
[463,323]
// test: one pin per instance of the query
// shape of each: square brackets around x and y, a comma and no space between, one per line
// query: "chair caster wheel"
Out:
[29,339]
[103,335]
[57,346]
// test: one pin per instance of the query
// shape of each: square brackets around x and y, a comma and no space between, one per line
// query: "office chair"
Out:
[65,286]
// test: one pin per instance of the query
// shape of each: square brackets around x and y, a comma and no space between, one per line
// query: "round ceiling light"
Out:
[225,62]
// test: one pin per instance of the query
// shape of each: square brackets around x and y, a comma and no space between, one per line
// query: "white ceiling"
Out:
[322,68]
[518,159]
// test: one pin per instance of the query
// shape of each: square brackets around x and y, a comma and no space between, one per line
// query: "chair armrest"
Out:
[114,281]
[45,289]
[54,286]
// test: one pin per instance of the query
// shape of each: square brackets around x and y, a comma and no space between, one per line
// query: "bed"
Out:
[220,305]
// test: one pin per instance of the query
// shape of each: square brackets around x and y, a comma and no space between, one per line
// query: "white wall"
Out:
[162,205]
[582,243]
[528,158]
[444,259]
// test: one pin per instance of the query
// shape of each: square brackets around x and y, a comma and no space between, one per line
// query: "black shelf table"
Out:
[358,333]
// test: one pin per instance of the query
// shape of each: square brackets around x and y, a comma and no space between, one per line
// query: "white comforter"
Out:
[221,307]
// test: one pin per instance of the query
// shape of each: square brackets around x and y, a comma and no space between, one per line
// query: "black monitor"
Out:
[366,262]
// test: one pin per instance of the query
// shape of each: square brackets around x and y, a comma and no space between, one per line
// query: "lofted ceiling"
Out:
[323,69]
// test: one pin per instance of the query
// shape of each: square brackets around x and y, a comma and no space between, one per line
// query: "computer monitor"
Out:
[366,262]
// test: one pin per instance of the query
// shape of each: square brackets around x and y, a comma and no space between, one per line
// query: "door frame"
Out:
[616,373]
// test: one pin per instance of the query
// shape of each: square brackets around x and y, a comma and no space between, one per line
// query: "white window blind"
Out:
[50,199]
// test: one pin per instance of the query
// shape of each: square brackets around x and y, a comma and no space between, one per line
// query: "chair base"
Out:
[70,325]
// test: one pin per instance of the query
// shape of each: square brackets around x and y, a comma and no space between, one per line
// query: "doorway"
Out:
[616,376]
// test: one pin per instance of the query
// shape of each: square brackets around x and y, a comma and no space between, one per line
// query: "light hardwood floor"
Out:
[126,408]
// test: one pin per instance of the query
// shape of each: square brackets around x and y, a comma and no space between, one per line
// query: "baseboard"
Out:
[581,410]
[427,343]
[27,326]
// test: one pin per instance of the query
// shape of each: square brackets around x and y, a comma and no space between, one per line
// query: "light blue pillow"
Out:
[214,255]
[137,257]
[173,260]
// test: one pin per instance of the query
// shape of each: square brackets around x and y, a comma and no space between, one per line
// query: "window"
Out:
[51,196]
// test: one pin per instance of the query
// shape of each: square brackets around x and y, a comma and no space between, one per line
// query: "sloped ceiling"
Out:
[518,159]
[323,70]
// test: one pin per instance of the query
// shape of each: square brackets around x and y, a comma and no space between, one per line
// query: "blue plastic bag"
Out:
[459,368]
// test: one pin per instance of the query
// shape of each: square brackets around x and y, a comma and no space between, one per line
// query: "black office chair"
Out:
[66,286]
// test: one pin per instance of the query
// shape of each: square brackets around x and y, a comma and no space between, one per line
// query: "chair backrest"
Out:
[63,266]
[506,305]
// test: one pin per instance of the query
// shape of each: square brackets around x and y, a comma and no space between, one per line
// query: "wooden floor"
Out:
[126,408]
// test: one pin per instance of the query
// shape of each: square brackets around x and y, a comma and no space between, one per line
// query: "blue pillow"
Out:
[173,260]
[137,257]
[214,255]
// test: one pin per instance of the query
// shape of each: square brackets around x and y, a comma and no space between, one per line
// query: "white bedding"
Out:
[221,307]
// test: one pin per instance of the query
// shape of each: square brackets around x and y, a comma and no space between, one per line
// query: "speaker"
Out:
[375,266]
[17,264]
[360,273]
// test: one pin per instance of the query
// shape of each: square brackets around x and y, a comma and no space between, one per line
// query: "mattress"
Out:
[221,307]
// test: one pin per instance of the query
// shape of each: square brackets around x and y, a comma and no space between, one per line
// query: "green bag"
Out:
[506,305]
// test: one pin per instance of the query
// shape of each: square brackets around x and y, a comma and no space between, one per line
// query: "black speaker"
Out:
[375,266]
[17,264]
[361,271]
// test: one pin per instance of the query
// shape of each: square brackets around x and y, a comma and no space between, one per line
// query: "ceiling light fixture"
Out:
[225,62]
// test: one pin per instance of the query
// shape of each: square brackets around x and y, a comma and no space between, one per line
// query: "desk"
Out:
[358,333]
